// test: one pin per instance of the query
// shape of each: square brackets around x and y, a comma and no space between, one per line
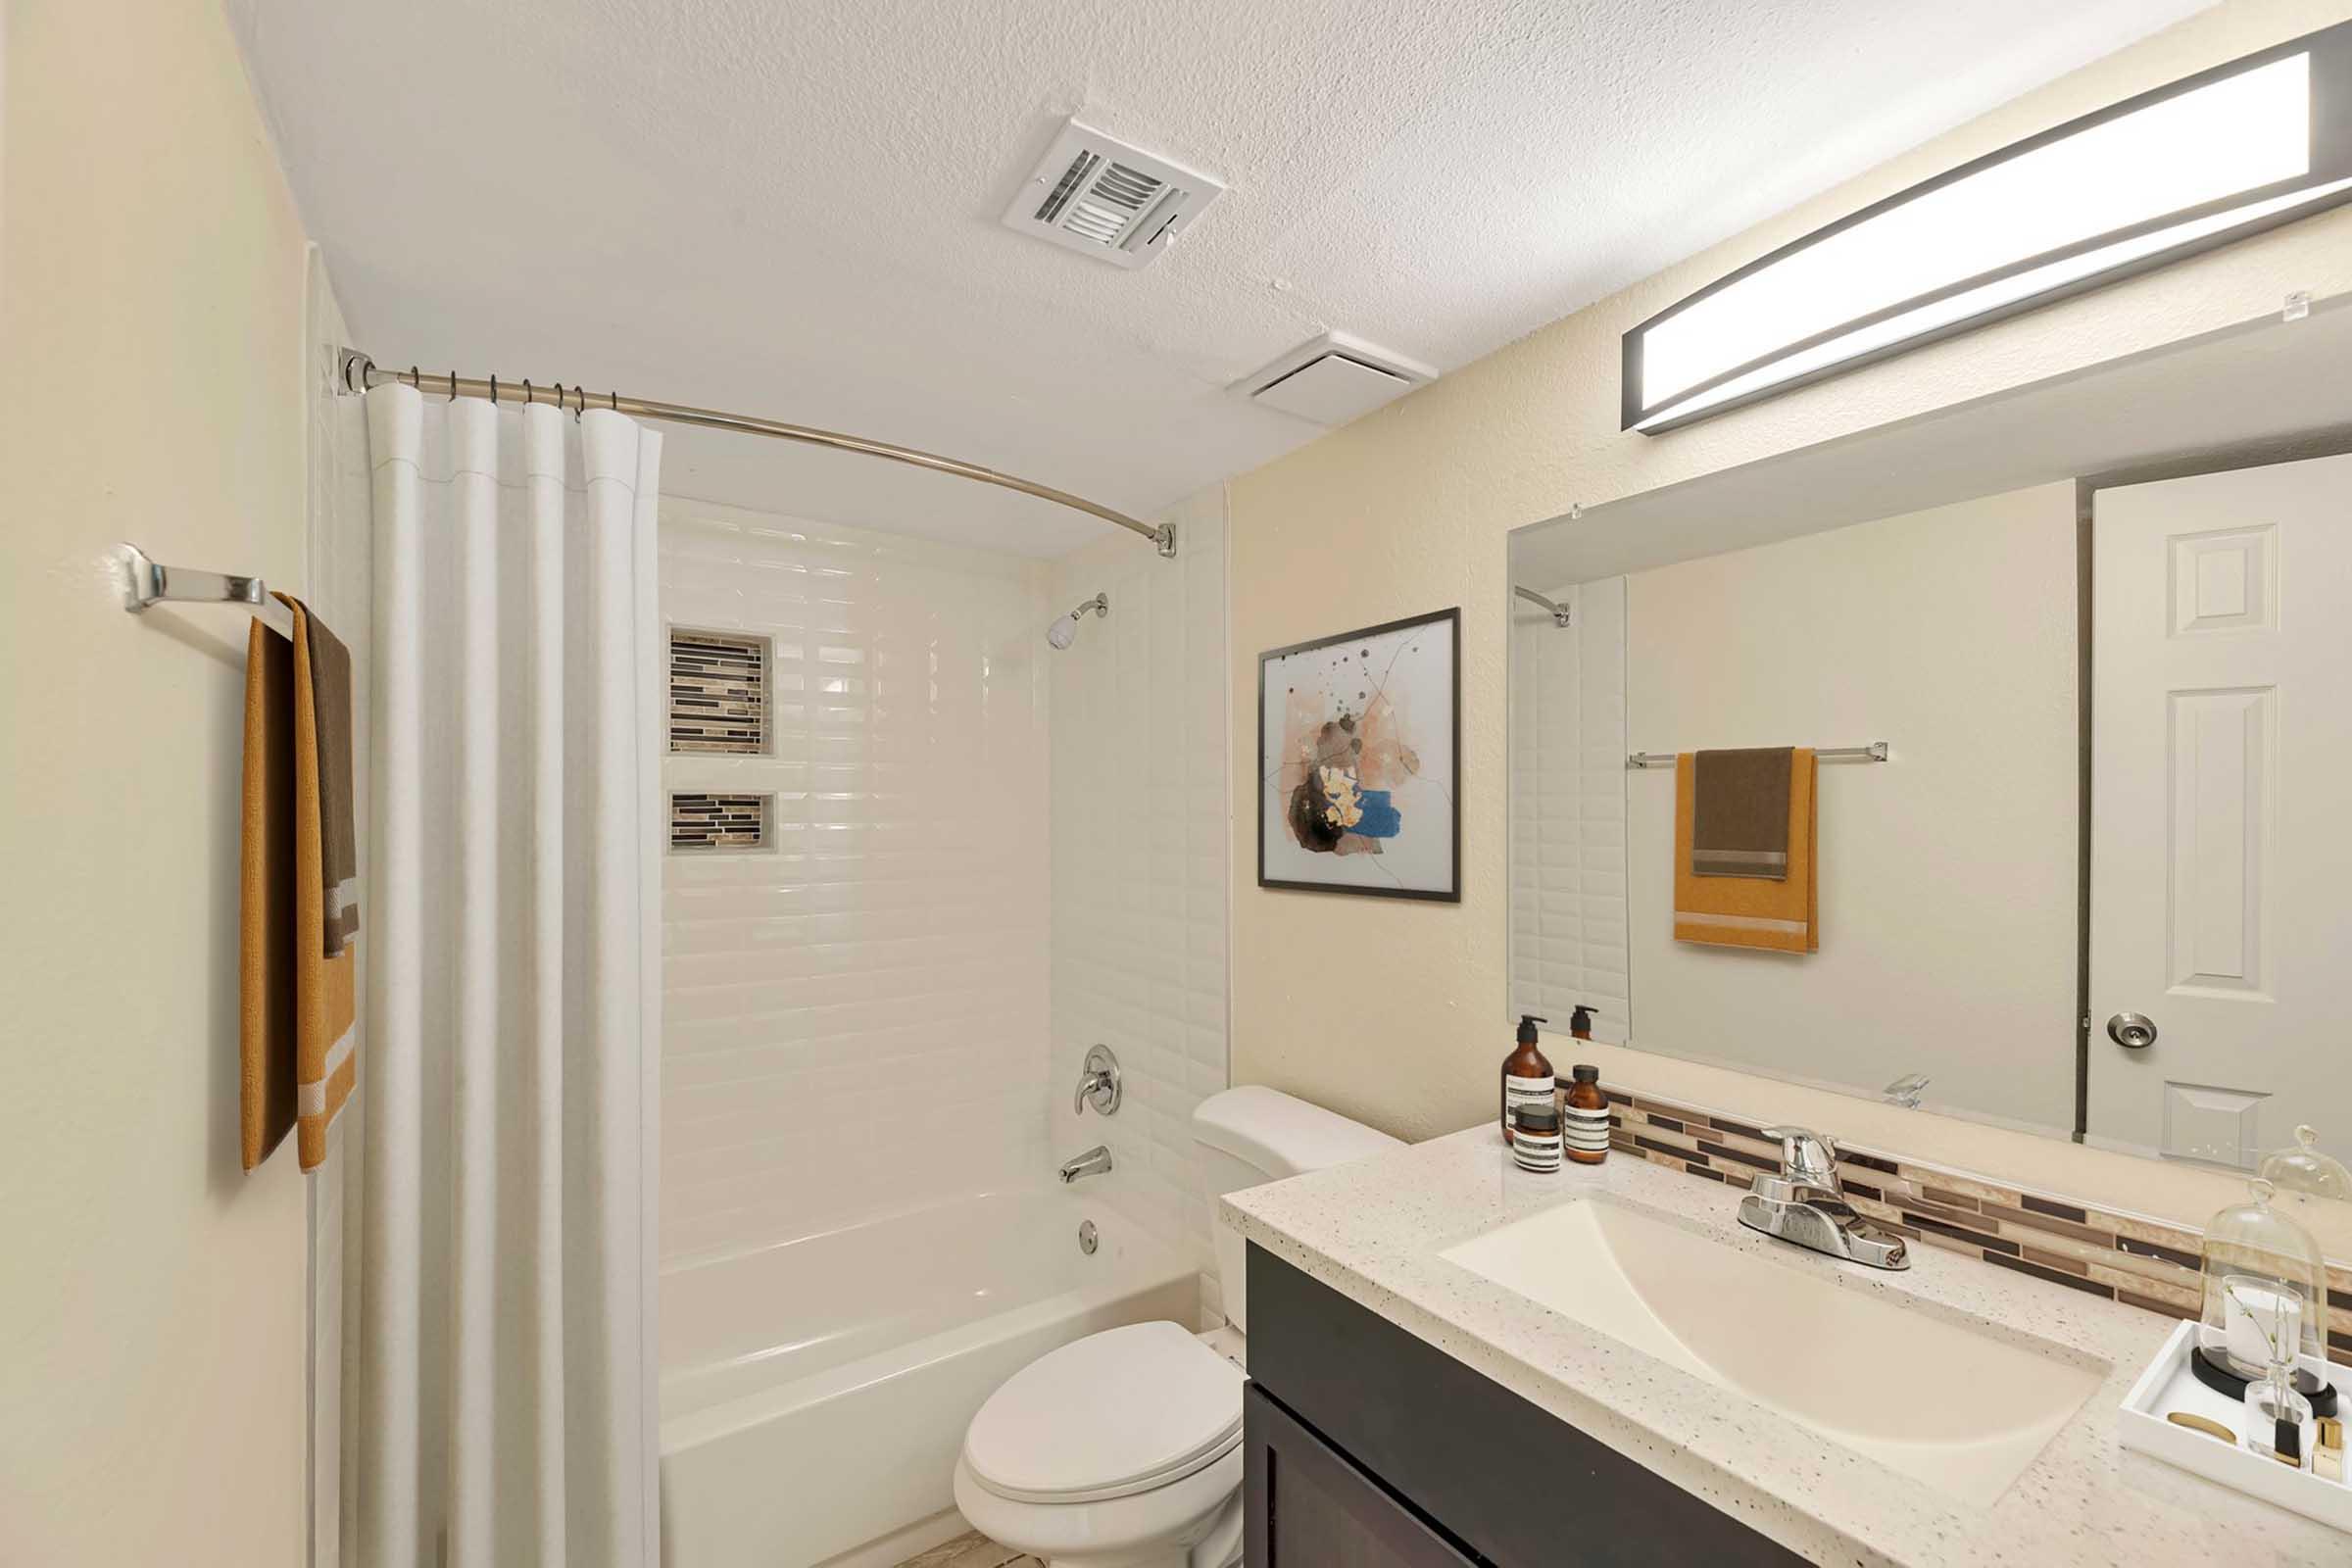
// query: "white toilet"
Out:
[1124,1448]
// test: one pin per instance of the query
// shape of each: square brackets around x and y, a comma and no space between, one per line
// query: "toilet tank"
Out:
[1252,1135]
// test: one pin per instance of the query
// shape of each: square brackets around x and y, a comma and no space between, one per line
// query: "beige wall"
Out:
[1393,1012]
[1948,877]
[151,294]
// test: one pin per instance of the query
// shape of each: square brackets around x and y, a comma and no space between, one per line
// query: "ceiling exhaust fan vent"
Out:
[1333,379]
[1108,200]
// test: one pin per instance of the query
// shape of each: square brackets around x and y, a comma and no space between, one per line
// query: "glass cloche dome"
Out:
[2266,1288]
[2302,1172]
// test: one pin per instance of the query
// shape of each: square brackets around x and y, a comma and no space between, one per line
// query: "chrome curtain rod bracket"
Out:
[147,581]
[1875,751]
[359,373]
[1559,612]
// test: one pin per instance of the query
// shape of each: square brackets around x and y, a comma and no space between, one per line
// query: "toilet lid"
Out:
[1114,1413]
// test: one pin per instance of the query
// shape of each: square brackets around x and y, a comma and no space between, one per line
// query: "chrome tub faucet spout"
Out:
[1095,1162]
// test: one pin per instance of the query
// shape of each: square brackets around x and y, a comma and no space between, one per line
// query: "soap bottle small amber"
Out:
[1585,1120]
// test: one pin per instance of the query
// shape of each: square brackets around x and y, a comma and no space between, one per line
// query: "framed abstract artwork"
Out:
[1359,743]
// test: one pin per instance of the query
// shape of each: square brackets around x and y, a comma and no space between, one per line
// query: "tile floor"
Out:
[970,1550]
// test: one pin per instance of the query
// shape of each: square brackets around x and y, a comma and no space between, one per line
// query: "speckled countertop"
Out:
[1372,1232]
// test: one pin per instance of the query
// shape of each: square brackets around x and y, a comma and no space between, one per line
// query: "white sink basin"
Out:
[1958,1409]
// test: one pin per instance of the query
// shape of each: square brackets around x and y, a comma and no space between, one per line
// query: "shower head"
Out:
[1064,630]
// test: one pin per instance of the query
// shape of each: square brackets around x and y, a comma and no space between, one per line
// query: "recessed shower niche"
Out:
[717,692]
[701,820]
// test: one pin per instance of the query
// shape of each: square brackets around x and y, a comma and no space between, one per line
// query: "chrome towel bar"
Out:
[147,581]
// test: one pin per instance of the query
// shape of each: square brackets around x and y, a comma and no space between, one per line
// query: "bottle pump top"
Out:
[1527,1027]
[1580,1021]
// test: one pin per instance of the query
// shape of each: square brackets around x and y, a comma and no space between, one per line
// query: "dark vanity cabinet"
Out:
[1309,1508]
[1368,1448]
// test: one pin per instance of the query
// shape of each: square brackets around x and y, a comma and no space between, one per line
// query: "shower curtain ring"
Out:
[415,380]
[526,389]
[453,387]
[494,389]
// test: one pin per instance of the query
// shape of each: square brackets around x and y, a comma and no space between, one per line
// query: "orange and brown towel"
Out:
[298,907]
[1776,905]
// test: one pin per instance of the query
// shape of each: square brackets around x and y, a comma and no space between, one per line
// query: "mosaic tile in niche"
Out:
[712,821]
[718,693]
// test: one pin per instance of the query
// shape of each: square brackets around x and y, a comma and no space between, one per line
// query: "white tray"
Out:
[2168,1384]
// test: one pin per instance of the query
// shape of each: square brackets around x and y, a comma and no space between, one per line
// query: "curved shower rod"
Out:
[1559,612]
[360,373]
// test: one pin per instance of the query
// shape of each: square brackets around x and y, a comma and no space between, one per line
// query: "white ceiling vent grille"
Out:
[1333,379]
[1108,200]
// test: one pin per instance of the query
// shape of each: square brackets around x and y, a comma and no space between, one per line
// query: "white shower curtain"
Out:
[503,1399]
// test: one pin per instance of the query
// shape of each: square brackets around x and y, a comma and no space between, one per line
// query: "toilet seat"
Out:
[1116,1414]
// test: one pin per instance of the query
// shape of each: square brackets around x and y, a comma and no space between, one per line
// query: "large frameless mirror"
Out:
[1995,762]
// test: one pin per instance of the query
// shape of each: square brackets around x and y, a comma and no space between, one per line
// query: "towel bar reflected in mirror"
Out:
[1875,751]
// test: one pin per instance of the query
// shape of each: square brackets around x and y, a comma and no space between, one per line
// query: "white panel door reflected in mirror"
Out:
[2222,809]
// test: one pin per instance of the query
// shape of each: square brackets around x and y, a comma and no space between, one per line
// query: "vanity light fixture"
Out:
[2197,164]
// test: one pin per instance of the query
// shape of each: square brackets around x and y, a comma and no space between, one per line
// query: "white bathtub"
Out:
[814,1394]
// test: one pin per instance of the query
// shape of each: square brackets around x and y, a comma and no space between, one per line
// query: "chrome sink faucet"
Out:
[1805,1203]
[1095,1162]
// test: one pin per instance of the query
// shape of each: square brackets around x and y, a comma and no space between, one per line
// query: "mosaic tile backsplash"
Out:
[718,821]
[718,693]
[2121,1256]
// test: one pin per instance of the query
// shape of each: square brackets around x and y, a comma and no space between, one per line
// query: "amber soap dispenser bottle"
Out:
[1584,1119]
[1527,1078]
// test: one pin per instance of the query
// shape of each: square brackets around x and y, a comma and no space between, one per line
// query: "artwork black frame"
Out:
[1453,894]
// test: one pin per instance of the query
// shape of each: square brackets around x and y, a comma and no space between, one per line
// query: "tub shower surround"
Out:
[948,882]
[2105,1253]
[1139,857]
[892,928]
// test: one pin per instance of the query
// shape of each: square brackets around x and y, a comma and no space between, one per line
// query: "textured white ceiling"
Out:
[790,209]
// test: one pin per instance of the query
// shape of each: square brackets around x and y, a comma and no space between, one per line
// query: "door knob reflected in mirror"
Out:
[2132,1030]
